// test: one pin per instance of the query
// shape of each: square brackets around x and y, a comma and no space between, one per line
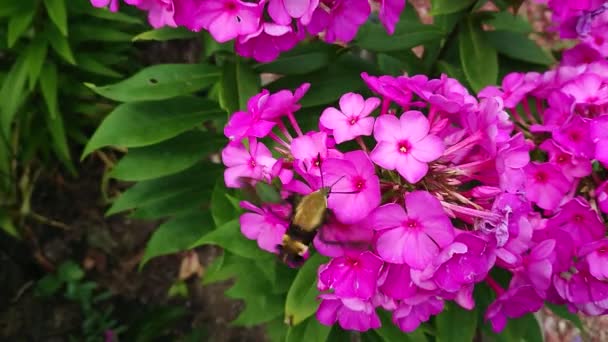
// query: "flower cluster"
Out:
[561,118]
[262,29]
[426,197]
[585,20]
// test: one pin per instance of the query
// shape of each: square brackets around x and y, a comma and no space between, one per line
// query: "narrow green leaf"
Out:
[302,300]
[408,34]
[18,24]
[229,237]
[390,332]
[310,330]
[518,46]
[12,93]
[177,235]
[136,124]
[35,56]
[95,33]
[276,330]
[166,33]
[48,87]
[59,140]
[102,13]
[505,21]
[456,324]
[439,7]
[303,59]
[58,14]
[88,62]
[239,83]
[478,57]
[60,44]
[222,209]
[165,158]
[160,82]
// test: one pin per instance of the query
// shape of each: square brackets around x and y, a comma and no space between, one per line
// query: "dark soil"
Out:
[109,249]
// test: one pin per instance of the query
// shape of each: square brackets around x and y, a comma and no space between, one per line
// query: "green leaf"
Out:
[456,324]
[136,124]
[310,330]
[59,140]
[525,328]
[160,82]
[390,332]
[505,21]
[302,300]
[102,13]
[479,59]
[303,59]
[239,83]
[12,93]
[276,330]
[60,44]
[88,62]
[439,7]
[19,23]
[408,34]
[58,14]
[168,157]
[229,237]
[173,189]
[518,46]
[563,312]
[95,33]
[166,33]
[48,87]
[222,209]
[177,235]
[69,271]
[35,56]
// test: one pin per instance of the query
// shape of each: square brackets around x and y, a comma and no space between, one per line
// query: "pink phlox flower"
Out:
[265,44]
[224,19]
[601,197]
[398,283]
[392,89]
[575,138]
[599,135]
[416,237]
[389,13]
[580,221]
[340,19]
[310,152]
[355,187]
[587,89]
[580,54]
[284,11]
[351,313]
[538,266]
[448,94]
[336,239]
[112,5]
[545,185]
[352,119]
[583,290]
[252,123]
[560,109]
[351,276]
[515,87]
[572,166]
[160,12]
[414,311]
[464,262]
[512,156]
[284,102]
[492,121]
[264,225]
[405,144]
[596,255]
[517,301]
[255,162]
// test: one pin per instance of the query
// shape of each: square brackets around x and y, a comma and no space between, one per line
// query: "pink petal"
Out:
[387,128]
[386,154]
[414,126]
[428,149]
[387,216]
[411,169]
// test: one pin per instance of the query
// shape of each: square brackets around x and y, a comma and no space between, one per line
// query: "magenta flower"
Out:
[511,158]
[575,138]
[599,135]
[587,89]
[263,225]
[111,4]
[255,163]
[389,13]
[224,19]
[583,290]
[353,276]
[340,19]
[355,188]
[351,313]
[580,221]
[253,122]
[284,11]
[538,266]
[405,144]
[572,166]
[517,301]
[412,312]
[352,120]
[545,185]
[267,42]
[515,86]
[414,238]
[310,152]
[398,282]
[601,194]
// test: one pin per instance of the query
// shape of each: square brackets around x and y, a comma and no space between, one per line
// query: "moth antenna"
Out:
[320,169]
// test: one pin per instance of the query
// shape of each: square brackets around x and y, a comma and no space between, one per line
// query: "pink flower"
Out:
[351,313]
[601,193]
[574,137]
[572,166]
[355,188]
[587,89]
[580,221]
[267,42]
[398,282]
[538,266]
[545,185]
[253,122]
[352,120]
[519,300]
[224,19]
[263,225]
[284,11]
[340,19]
[389,13]
[416,237]
[112,4]
[596,255]
[599,135]
[310,152]
[255,163]
[353,276]
[511,158]
[406,145]
[412,312]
